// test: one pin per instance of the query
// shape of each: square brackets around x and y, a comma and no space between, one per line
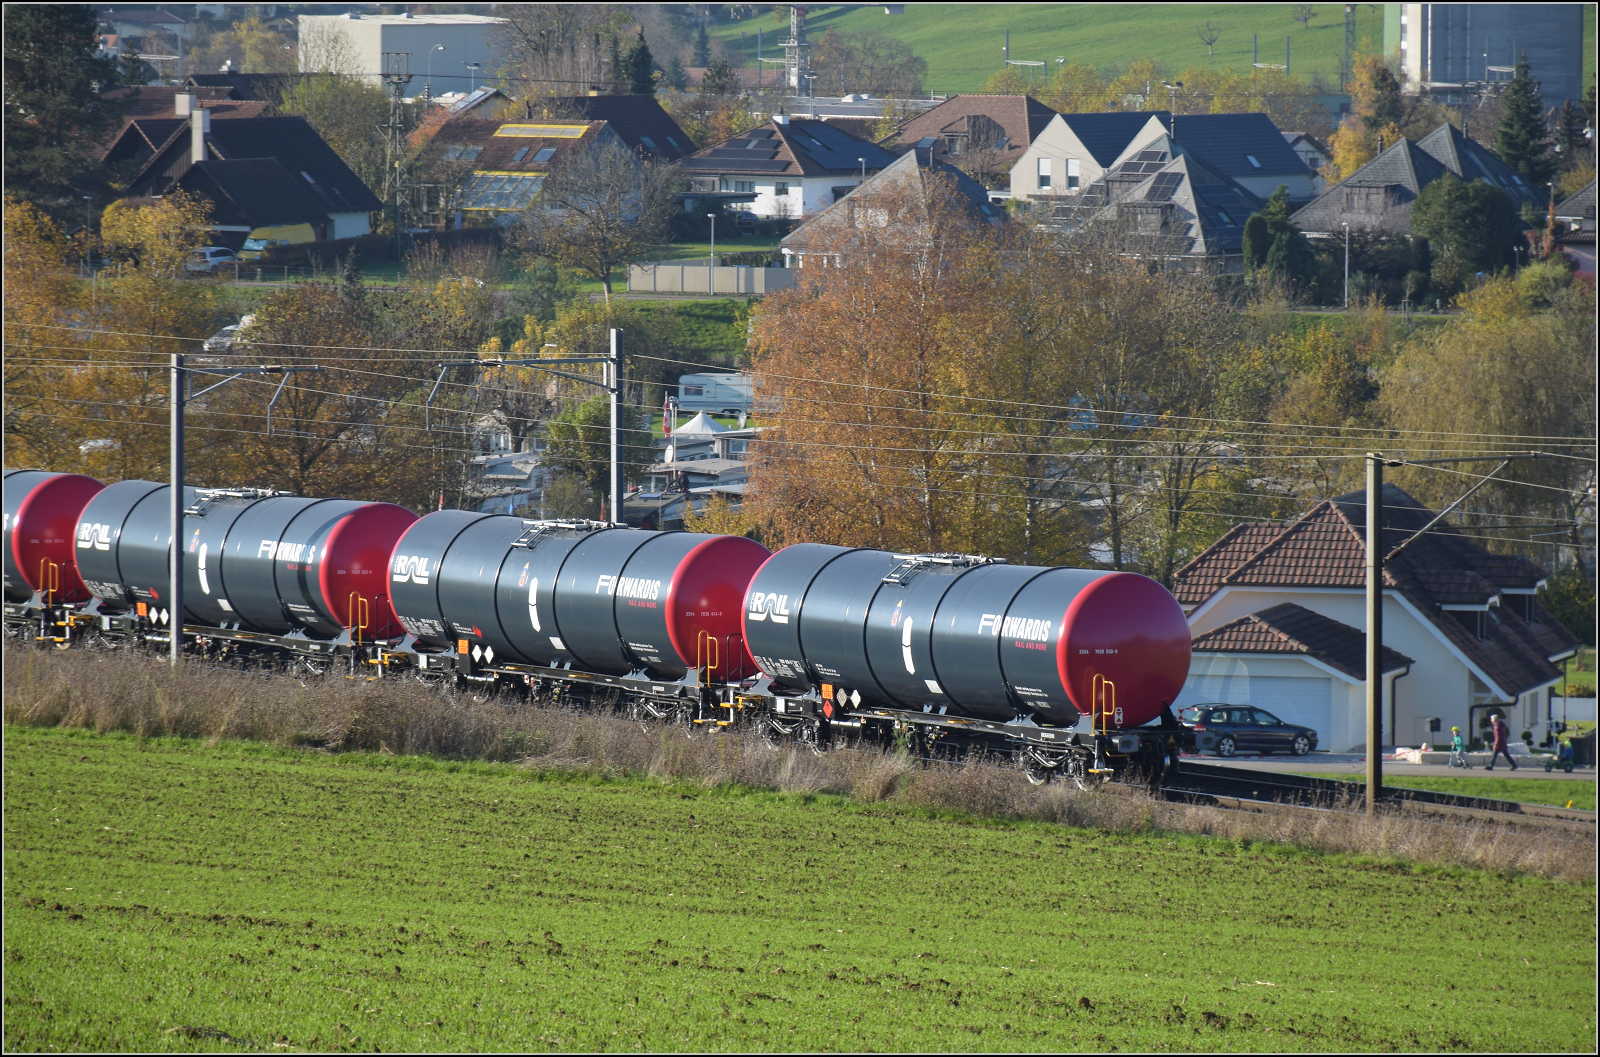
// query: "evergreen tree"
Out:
[1570,138]
[54,112]
[1269,232]
[641,68]
[719,80]
[702,47]
[1522,139]
[1470,226]
[617,70]
[676,76]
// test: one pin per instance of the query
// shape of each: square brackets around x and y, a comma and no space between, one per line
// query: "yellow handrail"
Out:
[49,579]
[358,623]
[1103,702]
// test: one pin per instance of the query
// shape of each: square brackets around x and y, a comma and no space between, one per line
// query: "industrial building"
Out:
[448,53]
[1447,48]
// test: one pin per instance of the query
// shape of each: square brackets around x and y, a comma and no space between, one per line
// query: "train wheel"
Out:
[811,736]
[1076,771]
[1036,772]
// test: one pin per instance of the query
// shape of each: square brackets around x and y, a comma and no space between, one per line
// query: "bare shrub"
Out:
[431,261]
[137,693]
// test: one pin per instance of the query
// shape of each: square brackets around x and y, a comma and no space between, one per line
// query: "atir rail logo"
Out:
[95,536]
[764,605]
[410,569]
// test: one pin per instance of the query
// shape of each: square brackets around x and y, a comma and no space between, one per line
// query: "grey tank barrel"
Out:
[575,593]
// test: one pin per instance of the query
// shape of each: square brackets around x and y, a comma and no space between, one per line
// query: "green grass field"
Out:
[1580,793]
[165,894]
[963,43]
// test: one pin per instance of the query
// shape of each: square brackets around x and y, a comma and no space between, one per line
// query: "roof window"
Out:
[544,154]
[522,152]
[1223,216]
[1251,158]
[648,142]
[927,141]
[672,141]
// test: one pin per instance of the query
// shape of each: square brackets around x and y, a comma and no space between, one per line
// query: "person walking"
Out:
[1502,736]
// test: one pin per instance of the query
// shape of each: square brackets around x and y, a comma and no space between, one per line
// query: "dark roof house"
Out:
[507,161]
[252,193]
[638,120]
[793,167]
[1378,196]
[1168,198]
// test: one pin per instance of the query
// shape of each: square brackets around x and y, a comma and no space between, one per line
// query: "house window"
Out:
[780,189]
[544,154]
[648,142]
[1072,174]
[744,185]
[522,152]
[1251,158]
[953,145]
[1044,174]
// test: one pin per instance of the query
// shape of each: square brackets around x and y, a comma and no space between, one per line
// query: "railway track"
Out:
[1241,787]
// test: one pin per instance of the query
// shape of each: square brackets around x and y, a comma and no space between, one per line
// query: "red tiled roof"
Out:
[1289,628]
[1326,548]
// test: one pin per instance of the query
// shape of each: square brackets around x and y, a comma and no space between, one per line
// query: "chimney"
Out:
[183,104]
[780,119]
[199,126]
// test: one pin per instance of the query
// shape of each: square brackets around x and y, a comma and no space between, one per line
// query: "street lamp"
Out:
[1172,103]
[863,162]
[1347,265]
[473,82]
[427,86]
[711,260]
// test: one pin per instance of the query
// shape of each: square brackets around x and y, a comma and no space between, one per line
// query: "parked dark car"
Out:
[1228,730]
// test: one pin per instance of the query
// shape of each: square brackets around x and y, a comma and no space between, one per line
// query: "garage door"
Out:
[1305,702]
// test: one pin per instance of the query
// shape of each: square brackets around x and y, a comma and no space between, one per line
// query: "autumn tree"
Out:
[598,210]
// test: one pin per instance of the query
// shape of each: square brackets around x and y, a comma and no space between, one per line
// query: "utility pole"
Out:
[175,553]
[1347,265]
[614,381]
[711,260]
[1374,630]
[396,75]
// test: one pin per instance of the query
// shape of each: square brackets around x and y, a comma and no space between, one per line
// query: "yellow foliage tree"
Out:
[719,516]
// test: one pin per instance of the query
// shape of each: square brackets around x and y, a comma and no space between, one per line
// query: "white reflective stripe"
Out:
[905,647]
[205,584]
[556,642]
[933,686]
[223,602]
[533,604]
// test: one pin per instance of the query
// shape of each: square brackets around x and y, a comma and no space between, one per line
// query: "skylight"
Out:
[648,142]
[522,152]
[1251,158]
[545,154]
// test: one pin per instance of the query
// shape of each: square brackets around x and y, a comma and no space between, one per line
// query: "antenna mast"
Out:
[396,75]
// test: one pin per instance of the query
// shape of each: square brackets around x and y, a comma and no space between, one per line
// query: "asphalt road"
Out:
[1350,765]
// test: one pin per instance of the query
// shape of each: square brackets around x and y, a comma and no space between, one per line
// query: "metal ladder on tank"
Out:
[1103,714]
[54,628]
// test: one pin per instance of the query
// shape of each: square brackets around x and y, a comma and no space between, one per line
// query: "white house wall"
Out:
[349,225]
[1061,147]
[1438,685]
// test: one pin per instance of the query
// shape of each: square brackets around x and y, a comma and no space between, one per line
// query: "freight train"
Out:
[1069,672]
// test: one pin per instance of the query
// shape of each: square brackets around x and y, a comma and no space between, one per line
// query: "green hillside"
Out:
[963,43]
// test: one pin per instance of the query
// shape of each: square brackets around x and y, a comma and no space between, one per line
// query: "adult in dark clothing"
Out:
[1502,735]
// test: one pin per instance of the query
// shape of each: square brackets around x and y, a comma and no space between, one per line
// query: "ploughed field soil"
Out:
[167,894]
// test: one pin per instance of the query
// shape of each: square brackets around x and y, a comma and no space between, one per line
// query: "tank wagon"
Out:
[1062,669]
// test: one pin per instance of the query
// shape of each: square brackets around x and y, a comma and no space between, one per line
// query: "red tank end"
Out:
[1129,631]
[44,535]
[354,572]
[706,599]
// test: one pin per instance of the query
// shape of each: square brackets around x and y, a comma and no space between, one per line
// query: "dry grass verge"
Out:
[139,694]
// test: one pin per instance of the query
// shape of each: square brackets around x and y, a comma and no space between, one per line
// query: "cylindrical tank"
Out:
[966,635]
[607,599]
[100,528]
[41,525]
[272,563]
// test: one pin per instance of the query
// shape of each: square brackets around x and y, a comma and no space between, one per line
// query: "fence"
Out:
[687,277]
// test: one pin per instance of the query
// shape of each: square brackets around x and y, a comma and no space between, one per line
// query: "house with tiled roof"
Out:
[1278,611]
[1073,151]
[156,114]
[1576,215]
[506,162]
[793,167]
[892,204]
[1378,196]
[981,134]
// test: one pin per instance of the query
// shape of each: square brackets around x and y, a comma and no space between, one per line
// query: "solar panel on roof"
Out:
[543,131]
[1148,155]
[1163,186]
